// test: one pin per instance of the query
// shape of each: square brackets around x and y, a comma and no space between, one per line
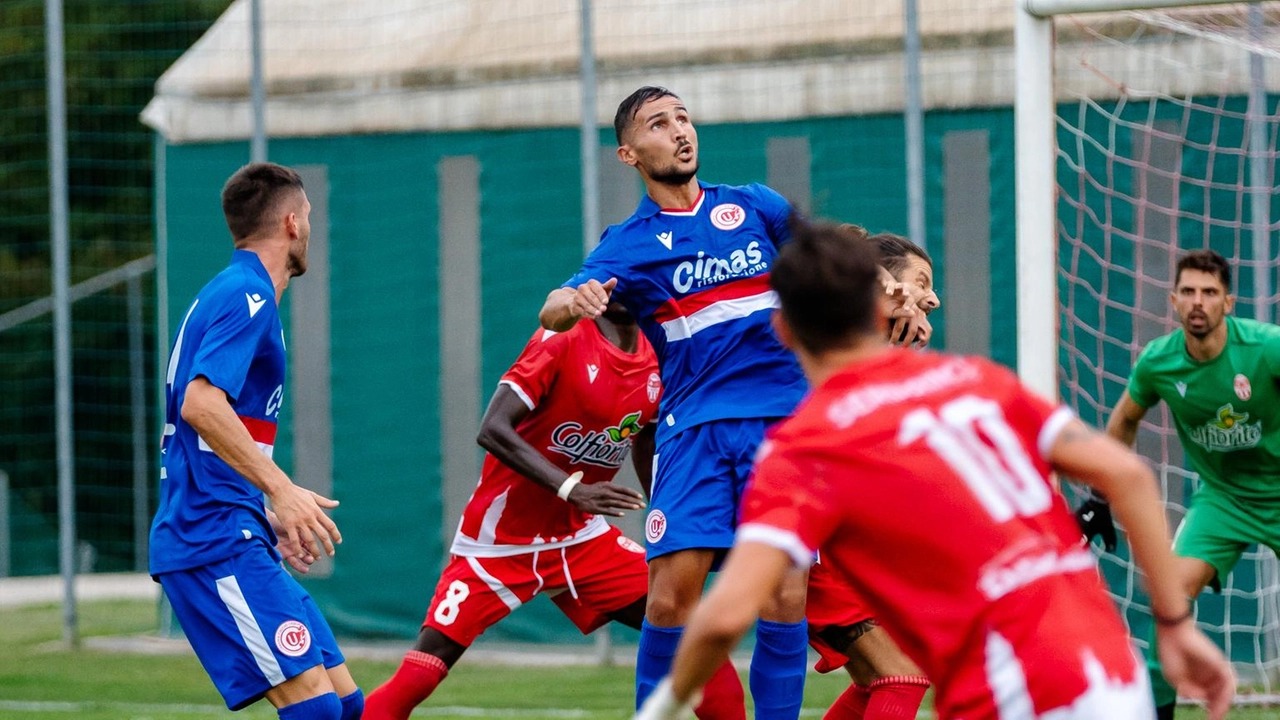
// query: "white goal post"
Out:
[1036,192]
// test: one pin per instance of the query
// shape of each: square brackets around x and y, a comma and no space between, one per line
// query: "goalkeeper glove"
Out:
[1094,518]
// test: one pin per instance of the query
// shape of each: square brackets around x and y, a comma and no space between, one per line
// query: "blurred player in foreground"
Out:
[561,423]
[1219,376]
[886,684]
[215,548]
[945,460]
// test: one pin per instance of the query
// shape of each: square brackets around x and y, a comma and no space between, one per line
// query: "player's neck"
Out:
[274,257]
[1208,347]
[624,337]
[819,368]
[673,197]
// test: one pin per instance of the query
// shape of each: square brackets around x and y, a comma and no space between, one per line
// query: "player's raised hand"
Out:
[1094,518]
[1195,666]
[300,513]
[592,297]
[605,498]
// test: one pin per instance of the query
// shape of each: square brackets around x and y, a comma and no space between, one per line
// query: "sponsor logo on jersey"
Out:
[592,371]
[1228,431]
[606,448]
[665,238]
[1182,388]
[629,545]
[709,270]
[653,387]
[727,216]
[275,401]
[256,302]
[293,638]
[1243,390]
[655,526]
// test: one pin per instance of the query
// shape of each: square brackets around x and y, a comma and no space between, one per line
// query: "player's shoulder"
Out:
[751,193]
[237,285]
[1171,345]
[1252,332]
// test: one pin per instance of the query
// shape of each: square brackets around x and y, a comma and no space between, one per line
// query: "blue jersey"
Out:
[697,282]
[231,335]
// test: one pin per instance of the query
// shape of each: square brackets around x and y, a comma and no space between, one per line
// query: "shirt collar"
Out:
[251,259]
[648,208]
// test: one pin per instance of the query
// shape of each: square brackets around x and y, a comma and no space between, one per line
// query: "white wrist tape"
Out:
[568,485]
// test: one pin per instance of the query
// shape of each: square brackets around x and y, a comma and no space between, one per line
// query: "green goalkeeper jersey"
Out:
[1227,410]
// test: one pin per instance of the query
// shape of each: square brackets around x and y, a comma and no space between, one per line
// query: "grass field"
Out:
[42,680]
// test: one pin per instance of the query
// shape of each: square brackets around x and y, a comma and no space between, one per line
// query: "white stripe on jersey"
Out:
[1052,429]
[267,449]
[683,328]
[519,391]
[492,516]
[250,632]
[783,540]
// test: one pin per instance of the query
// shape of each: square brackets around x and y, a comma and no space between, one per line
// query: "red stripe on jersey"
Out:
[686,211]
[690,304]
[263,431]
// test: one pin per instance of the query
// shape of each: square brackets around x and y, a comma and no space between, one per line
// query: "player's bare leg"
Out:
[311,694]
[675,586]
[887,685]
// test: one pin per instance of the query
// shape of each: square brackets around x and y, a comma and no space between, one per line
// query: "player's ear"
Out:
[626,155]
[1231,302]
[291,224]
[782,330]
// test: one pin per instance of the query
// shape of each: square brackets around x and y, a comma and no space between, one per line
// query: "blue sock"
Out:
[778,669]
[353,705]
[320,707]
[653,660]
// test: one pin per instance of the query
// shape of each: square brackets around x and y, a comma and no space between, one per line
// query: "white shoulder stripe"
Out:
[1052,429]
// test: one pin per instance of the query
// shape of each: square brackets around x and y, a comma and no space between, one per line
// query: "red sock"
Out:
[896,698]
[851,705]
[722,697]
[417,678]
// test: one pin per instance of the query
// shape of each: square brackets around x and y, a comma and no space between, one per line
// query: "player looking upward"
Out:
[215,548]
[1218,374]
[561,423]
[946,460]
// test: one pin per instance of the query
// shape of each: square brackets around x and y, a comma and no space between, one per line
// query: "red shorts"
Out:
[831,603]
[586,581]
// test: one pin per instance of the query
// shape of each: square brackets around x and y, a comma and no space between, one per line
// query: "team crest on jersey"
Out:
[293,638]
[606,448]
[727,216]
[655,526]
[653,387]
[629,545]
[1244,391]
[1229,430]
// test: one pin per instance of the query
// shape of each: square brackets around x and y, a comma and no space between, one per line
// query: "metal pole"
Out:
[1037,234]
[138,405]
[60,250]
[915,126]
[1259,183]
[257,88]
[6,535]
[589,134]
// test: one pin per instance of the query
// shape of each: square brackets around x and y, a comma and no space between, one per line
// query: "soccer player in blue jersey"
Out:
[692,265]
[215,547]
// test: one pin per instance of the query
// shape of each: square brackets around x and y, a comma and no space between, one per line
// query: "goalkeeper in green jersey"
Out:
[1220,377]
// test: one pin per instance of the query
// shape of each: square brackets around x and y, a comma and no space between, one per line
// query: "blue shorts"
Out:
[698,479]
[251,624]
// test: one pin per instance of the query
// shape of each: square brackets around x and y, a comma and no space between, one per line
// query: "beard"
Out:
[296,263]
[673,174]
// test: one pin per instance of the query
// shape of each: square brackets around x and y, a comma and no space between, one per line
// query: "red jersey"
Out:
[923,481]
[587,398]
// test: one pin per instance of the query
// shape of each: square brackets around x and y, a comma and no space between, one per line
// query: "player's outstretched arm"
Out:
[1194,665]
[299,512]
[750,577]
[498,436]
[566,306]
[1094,514]
[1124,420]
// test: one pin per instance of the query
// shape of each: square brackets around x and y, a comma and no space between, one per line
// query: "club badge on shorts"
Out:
[1244,390]
[293,638]
[655,526]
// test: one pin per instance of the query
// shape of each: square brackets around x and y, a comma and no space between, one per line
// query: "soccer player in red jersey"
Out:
[562,421]
[946,460]
[886,684]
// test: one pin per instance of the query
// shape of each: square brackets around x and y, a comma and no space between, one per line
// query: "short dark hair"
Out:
[1204,261]
[895,250]
[253,193]
[628,108]
[827,281]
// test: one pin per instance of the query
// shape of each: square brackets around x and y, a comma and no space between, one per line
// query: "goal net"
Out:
[1166,135]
